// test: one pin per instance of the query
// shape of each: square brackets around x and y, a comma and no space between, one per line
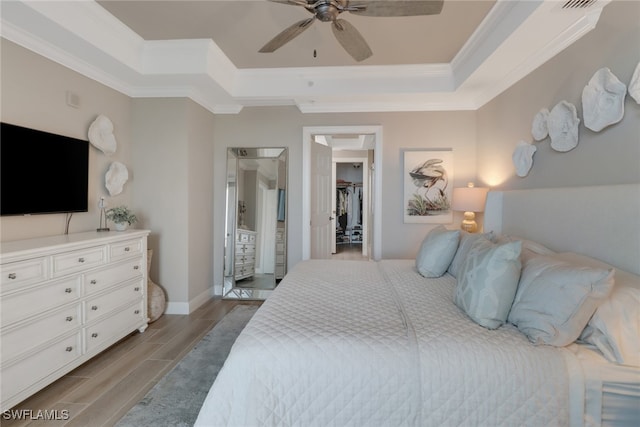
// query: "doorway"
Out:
[373,136]
[351,211]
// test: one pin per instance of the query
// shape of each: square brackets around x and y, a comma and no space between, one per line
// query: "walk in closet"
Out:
[349,204]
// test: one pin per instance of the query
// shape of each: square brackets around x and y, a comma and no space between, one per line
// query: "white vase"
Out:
[156,299]
[121,226]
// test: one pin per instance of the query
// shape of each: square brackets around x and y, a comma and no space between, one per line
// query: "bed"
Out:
[350,343]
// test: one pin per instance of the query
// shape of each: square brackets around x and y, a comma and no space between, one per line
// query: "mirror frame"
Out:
[234,156]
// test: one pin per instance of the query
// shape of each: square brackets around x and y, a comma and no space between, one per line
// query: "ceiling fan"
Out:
[346,34]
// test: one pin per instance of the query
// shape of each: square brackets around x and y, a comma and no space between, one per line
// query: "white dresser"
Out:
[245,265]
[65,299]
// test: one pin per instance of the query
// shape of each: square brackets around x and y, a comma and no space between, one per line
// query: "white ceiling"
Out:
[208,51]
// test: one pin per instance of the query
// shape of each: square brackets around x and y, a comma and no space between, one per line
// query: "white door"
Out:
[321,218]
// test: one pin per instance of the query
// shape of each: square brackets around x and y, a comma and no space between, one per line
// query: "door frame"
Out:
[308,133]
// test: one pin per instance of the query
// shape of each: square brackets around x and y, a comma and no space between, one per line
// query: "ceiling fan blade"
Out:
[351,40]
[287,35]
[395,7]
[292,2]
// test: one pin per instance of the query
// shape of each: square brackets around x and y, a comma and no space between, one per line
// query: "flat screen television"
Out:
[41,172]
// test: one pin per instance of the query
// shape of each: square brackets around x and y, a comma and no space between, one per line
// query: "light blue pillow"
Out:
[436,252]
[466,240]
[488,281]
[557,297]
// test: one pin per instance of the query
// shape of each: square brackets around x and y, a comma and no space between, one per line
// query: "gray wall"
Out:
[610,156]
[173,153]
[34,95]
[282,127]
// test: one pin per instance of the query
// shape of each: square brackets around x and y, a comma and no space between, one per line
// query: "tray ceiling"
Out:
[208,51]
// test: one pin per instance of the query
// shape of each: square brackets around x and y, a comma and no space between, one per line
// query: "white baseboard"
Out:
[196,302]
[191,306]
[177,308]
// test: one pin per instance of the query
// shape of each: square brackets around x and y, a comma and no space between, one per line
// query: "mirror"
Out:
[255,251]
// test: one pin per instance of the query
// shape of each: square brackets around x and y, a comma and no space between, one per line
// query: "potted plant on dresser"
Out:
[122,217]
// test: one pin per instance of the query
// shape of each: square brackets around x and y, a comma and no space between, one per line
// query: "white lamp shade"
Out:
[469,199]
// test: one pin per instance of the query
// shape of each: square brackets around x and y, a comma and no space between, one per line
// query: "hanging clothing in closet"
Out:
[349,206]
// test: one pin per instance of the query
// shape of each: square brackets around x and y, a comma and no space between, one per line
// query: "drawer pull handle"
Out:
[68,349]
[94,308]
[136,312]
[68,290]
[136,267]
[93,282]
[69,318]
[80,259]
[136,289]
[127,249]
[12,276]
[94,335]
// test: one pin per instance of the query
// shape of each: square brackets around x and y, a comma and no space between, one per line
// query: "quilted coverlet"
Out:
[348,343]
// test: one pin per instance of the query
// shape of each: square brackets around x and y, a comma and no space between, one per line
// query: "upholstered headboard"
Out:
[602,222]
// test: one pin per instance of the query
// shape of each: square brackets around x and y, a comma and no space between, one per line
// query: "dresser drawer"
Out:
[244,259]
[38,299]
[23,272]
[113,327]
[126,249]
[102,279]
[245,248]
[16,341]
[37,366]
[245,270]
[105,303]
[71,262]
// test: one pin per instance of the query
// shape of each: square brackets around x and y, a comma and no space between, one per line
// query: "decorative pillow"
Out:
[529,247]
[615,326]
[556,299]
[487,282]
[438,249]
[466,240]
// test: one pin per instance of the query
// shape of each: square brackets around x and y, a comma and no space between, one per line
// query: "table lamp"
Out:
[469,200]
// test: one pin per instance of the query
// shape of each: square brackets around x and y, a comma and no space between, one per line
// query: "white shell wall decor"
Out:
[563,124]
[116,177]
[634,84]
[539,128]
[101,135]
[603,100]
[523,158]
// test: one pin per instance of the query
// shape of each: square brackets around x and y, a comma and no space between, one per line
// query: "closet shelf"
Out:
[348,184]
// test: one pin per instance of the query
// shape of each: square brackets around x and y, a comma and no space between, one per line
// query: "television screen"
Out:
[41,172]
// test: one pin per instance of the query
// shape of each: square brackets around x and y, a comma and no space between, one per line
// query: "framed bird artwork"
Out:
[427,180]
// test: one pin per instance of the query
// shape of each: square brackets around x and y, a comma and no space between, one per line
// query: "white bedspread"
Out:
[349,343]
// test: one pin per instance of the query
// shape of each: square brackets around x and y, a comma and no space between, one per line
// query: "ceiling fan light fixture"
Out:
[346,34]
[327,12]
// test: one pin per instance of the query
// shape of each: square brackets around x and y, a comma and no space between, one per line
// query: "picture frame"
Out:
[427,186]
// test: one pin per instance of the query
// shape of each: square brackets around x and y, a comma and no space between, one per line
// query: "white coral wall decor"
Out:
[603,100]
[539,129]
[563,124]
[634,84]
[101,135]
[523,157]
[116,177]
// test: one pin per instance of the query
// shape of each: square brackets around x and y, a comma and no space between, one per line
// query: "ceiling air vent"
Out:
[578,4]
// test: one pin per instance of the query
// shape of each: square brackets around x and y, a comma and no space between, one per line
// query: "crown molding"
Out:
[508,45]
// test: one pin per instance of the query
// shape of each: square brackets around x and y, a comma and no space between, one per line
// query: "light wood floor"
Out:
[102,391]
[349,251]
